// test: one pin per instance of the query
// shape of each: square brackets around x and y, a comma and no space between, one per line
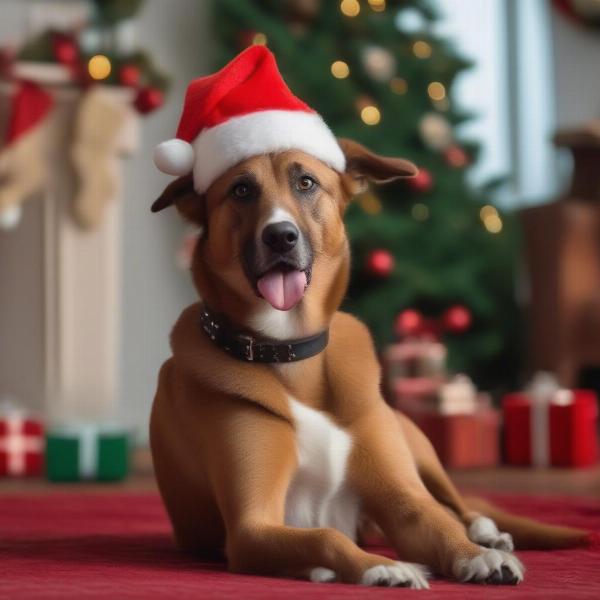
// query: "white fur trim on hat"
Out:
[225,145]
[174,157]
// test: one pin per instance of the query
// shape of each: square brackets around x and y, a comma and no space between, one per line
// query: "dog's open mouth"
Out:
[283,286]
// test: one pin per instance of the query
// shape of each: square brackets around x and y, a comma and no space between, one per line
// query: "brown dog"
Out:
[273,463]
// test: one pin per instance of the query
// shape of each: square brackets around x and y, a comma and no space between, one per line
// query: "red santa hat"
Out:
[243,110]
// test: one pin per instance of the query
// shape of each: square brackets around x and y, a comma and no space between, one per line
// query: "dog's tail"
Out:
[529,534]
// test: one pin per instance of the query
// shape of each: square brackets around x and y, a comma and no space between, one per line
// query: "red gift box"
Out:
[21,446]
[463,440]
[563,432]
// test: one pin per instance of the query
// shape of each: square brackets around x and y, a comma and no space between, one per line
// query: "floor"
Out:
[582,482]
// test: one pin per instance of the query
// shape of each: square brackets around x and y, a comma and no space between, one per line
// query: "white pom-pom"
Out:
[10,216]
[174,157]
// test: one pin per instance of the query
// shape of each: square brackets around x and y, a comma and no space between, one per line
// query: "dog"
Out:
[272,444]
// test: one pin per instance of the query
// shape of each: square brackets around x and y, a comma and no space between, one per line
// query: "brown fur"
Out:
[222,434]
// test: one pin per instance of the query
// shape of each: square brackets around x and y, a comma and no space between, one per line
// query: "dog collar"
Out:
[260,350]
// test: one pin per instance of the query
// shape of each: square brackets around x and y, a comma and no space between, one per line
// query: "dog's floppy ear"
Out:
[188,202]
[363,166]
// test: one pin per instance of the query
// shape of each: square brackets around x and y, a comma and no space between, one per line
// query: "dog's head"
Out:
[272,226]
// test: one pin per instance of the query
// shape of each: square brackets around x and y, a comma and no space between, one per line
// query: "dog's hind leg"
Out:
[480,529]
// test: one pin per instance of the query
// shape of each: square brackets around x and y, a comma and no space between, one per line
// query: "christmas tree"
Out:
[377,72]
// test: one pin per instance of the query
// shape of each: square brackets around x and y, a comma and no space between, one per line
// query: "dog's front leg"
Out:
[251,469]
[421,530]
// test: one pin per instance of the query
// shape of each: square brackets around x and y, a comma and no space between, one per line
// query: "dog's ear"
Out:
[363,166]
[188,202]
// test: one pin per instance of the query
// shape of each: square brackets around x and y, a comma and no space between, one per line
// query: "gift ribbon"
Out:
[16,444]
[541,400]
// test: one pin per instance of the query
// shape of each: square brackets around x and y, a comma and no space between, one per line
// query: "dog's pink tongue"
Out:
[282,290]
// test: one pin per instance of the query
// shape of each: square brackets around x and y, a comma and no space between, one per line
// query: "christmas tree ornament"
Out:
[422,182]
[23,170]
[380,263]
[455,156]
[409,323]
[148,99]
[379,63]
[457,319]
[99,67]
[261,115]
[21,443]
[410,20]
[129,75]
[435,131]
[102,135]
[65,49]
[80,452]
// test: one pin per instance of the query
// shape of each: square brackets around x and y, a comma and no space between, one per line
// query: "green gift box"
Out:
[87,452]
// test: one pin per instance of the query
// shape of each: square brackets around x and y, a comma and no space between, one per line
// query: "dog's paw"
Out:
[491,566]
[400,574]
[322,575]
[483,531]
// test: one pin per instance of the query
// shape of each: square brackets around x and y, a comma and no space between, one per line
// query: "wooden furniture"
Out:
[562,250]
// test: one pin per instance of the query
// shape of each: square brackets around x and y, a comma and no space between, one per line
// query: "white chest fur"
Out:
[318,495]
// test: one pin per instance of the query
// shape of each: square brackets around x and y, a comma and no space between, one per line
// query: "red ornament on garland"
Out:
[455,156]
[422,182]
[380,263]
[457,319]
[65,49]
[408,323]
[129,75]
[148,99]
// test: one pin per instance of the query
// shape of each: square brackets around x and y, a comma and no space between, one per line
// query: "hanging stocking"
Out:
[23,169]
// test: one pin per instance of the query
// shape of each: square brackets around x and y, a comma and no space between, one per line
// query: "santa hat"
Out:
[243,110]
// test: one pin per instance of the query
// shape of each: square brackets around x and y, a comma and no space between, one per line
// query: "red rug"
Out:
[119,545]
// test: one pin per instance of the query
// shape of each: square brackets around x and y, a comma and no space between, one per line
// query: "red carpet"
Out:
[92,546]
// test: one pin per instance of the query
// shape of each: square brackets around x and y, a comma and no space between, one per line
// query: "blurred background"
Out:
[479,277]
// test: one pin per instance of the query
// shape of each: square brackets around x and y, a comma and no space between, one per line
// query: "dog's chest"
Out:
[318,495]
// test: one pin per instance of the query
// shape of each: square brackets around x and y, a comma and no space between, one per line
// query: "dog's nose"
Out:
[280,237]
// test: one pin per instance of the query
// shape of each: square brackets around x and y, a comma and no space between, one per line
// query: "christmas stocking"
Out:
[102,133]
[22,163]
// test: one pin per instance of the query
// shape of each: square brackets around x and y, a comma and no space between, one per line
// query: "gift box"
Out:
[87,452]
[551,428]
[463,440]
[21,444]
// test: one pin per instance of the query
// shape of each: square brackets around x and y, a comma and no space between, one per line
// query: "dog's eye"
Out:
[241,191]
[306,183]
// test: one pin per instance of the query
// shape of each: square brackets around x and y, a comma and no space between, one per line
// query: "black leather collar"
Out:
[261,350]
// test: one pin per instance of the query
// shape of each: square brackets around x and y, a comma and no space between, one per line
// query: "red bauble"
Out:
[129,75]
[456,157]
[148,99]
[65,49]
[380,263]
[422,182]
[457,319]
[409,322]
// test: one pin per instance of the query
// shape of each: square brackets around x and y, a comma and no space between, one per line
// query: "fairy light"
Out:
[99,67]
[493,223]
[340,69]
[436,91]
[488,211]
[421,49]
[370,115]
[420,212]
[259,39]
[350,8]
[377,5]
[398,85]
